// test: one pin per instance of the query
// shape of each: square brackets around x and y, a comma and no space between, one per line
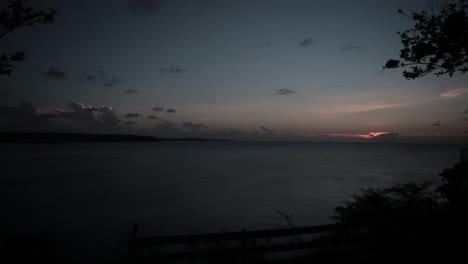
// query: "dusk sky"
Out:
[246,69]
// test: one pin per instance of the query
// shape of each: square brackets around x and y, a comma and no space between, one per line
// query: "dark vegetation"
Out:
[17,15]
[437,43]
[407,222]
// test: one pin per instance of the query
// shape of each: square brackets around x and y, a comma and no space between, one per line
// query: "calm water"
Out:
[89,195]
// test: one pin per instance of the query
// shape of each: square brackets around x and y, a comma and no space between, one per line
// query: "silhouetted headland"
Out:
[82,137]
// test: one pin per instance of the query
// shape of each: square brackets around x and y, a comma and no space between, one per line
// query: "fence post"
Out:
[463,155]
[131,250]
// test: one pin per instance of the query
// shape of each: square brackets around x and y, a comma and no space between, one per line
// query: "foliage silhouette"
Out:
[437,43]
[30,248]
[405,223]
[14,16]
[455,188]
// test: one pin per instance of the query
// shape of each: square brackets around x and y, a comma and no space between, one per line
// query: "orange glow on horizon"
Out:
[375,134]
[369,135]
[348,135]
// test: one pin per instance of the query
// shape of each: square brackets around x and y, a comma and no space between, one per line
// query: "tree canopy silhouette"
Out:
[14,16]
[410,223]
[437,43]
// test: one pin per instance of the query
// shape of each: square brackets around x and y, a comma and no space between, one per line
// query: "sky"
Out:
[246,69]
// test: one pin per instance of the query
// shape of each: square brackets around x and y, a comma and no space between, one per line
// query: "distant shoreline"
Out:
[19,137]
[26,137]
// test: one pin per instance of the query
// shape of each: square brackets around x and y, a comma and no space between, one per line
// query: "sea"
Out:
[88,196]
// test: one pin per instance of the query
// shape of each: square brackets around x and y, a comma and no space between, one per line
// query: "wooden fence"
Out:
[231,247]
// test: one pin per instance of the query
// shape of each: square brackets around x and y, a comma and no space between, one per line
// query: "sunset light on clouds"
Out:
[292,76]
[454,93]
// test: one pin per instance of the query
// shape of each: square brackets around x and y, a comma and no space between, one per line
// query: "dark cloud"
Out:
[193,126]
[285,91]
[266,131]
[466,111]
[78,117]
[55,74]
[465,119]
[390,136]
[86,118]
[171,110]
[308,42]
[100,77]
[172,69]
[211,102]
[436,124]
[88,77]
[112,82]
[158,109]
[131,91]
[165,128]
[23,118]
[132,115]
[188,129]
[350,48]
[77,107]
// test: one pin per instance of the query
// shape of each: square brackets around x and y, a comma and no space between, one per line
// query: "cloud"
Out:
[158,109]
[100,77]
[131,91]
[161,109]
[308,42]
[388,136]
[466,111]
[55,74]
[367,107]
[112,82]
[454,93]
[285,91]
[172,69]
[465,119]
[211,102]
[436,124]
[86,118]
[81,117]
[23,118]
[193,126]
[88,77]
[77,117]
[166,128]
[77,107]
[350,48]
[132,115]
[266,131]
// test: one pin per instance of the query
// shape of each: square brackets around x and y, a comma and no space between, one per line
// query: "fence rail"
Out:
[145,249]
